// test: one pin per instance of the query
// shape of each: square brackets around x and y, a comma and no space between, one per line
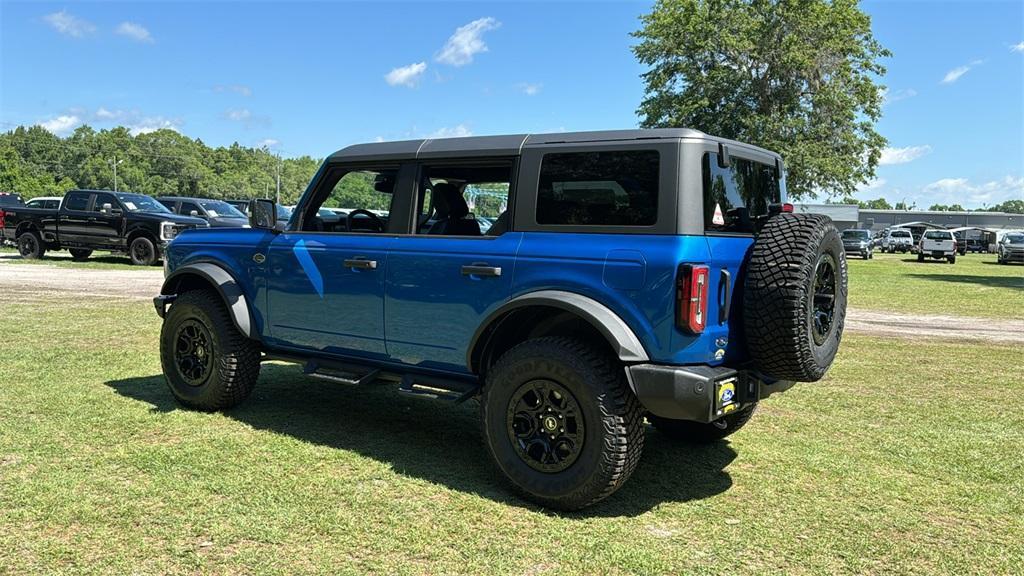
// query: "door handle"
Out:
[724,296]
[480,269]
[360,263]
[92,218]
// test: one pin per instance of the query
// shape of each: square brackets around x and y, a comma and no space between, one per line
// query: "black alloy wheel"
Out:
[545,425]
[825,289]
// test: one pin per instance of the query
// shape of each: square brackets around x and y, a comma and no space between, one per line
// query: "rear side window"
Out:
[77,201]
[936,235]
[736,199]
[615,188]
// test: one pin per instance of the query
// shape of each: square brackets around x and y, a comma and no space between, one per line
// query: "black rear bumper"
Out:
[696,392]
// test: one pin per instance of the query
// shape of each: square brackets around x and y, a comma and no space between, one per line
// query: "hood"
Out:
[176,218]
[220,222]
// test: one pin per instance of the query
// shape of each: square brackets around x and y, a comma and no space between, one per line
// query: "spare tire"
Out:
[794,297]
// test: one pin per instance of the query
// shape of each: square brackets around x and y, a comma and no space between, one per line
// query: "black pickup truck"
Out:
[90,220]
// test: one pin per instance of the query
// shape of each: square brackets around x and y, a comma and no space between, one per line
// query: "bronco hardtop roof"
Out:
[512,144]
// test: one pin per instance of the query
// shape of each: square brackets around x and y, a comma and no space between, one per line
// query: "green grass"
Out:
[98,260]
[975,286]
[905,459]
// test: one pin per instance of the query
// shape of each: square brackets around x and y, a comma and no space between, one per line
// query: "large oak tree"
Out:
[795,76]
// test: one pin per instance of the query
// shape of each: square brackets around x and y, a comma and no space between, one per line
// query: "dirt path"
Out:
[934,326]
[28,282]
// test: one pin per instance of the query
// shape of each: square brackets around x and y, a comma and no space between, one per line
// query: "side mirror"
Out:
[106,208]
[194,213]
[263,214]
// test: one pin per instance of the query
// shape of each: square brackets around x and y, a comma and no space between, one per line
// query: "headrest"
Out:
[448,201]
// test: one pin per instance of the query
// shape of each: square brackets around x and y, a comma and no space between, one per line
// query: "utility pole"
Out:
[114,163]
[278,180]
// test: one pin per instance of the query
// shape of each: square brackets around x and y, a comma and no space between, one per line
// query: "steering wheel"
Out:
[377,223]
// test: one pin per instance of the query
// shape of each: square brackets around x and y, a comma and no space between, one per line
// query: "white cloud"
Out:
[152,124]
[69,25]
[466,42]
[406,75]
[892,156]
[890,96]
[1017,47]
[955,74]
[104,114]
[963,191]
[872,185]
[238,114]
[239,89]
[61,125]
[267,143]
[451,132]
[135,31]
[530,89]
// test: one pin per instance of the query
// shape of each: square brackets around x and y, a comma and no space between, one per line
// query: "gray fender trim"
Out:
[621,337]
[226,286]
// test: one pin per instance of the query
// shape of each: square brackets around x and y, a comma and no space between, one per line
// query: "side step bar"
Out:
[411,384]
[438,388]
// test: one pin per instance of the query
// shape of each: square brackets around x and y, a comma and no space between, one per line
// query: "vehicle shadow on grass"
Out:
[989,281]
[440,442]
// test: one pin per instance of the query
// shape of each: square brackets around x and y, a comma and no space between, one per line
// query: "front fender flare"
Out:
[225,285]
[619,335]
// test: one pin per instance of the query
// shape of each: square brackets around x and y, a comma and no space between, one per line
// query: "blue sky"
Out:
[309,78]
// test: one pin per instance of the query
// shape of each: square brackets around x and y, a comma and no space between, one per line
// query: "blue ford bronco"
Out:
[573,284]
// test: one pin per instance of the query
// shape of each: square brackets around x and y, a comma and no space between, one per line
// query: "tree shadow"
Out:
[440,442]
[989,281]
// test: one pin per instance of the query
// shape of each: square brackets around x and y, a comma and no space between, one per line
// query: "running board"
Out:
[341,373]
[437,388]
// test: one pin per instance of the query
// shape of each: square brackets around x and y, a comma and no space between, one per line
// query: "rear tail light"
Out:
[787,207]
[2,216]
[692,298]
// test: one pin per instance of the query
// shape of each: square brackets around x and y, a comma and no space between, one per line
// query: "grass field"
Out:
[975,286]
[905,459]
[99,260]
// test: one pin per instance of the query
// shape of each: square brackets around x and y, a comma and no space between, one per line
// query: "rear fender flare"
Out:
[224,283]
[620,336]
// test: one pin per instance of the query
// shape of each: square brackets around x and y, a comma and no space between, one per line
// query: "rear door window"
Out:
[736,199]
[77,201]
[614,188]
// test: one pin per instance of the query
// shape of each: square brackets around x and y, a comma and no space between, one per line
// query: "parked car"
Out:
[283,213]
[90,220]
[897,240]
[856,241]
[7,201]
[577,315]
[1011,248]
[937,244]
[217,213]
[48,202]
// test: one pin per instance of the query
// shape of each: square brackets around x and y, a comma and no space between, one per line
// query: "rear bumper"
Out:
[698,393]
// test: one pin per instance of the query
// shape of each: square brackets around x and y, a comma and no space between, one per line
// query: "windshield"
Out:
[220,209]
[855,234]
[1015,238]
[283,212]
[141,203]
[935,235]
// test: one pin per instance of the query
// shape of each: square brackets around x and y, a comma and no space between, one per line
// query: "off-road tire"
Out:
[235,359]
[920,257]
[30,246]
[951,259]
[142,251]
[701,433]
[613,432]
[779,301]
[80,254]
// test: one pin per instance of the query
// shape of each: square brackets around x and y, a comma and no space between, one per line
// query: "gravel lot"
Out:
[22,282]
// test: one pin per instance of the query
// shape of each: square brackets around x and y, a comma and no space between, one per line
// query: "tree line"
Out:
[34,162]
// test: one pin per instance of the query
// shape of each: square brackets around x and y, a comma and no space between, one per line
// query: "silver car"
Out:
[1011,248]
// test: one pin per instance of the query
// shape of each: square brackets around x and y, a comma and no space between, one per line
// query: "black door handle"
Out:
[724,295]
[481,270]
[361,263]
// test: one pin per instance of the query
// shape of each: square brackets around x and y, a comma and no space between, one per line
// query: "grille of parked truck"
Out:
[623,276]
